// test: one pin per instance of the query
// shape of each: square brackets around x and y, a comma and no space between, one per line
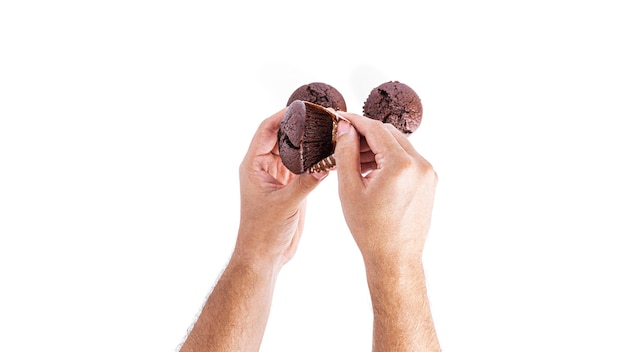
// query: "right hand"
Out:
[386,189]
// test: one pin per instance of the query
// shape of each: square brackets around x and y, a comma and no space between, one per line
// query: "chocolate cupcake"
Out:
[321,94]
[395,103]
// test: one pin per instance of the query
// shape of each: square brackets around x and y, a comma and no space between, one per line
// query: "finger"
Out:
[301,185]
[378,137]
[364,146]
[403,140]
[347,155]
[265,139]
[367,157]
[367,167]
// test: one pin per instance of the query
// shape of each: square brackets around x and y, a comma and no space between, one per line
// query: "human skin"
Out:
[386,189]
[387,192]
[273,203]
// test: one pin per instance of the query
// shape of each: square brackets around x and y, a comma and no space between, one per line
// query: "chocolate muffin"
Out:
[395,103]
[321,94]
[306,137]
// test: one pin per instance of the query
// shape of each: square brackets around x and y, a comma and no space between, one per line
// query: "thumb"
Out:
[347,155]
[302,185]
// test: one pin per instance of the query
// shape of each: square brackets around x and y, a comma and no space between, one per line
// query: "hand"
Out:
[273,199]
[386,189]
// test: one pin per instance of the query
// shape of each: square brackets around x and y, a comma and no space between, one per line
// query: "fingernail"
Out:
[320,175]
[343,128]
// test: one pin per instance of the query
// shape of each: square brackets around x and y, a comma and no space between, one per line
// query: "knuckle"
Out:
[305,183]
[419,168]
[428,172]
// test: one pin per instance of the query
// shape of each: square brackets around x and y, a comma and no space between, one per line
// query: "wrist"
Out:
[391,267]
[255,258]
[270,242]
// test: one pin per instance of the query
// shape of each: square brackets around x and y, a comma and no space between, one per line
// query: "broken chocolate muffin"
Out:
[306,137]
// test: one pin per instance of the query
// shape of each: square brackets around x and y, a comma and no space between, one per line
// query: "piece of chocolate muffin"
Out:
[321,94]
[306,137]
[395,103]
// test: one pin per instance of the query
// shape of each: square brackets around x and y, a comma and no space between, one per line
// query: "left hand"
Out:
[273,199]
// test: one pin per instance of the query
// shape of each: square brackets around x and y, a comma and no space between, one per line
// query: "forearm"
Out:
[235,314]
[402,317]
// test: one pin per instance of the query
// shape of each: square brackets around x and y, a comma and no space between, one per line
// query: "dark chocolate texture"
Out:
[321,94]
[395,103]
[305,136]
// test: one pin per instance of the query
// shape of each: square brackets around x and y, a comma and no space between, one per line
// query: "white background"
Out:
[123,123]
